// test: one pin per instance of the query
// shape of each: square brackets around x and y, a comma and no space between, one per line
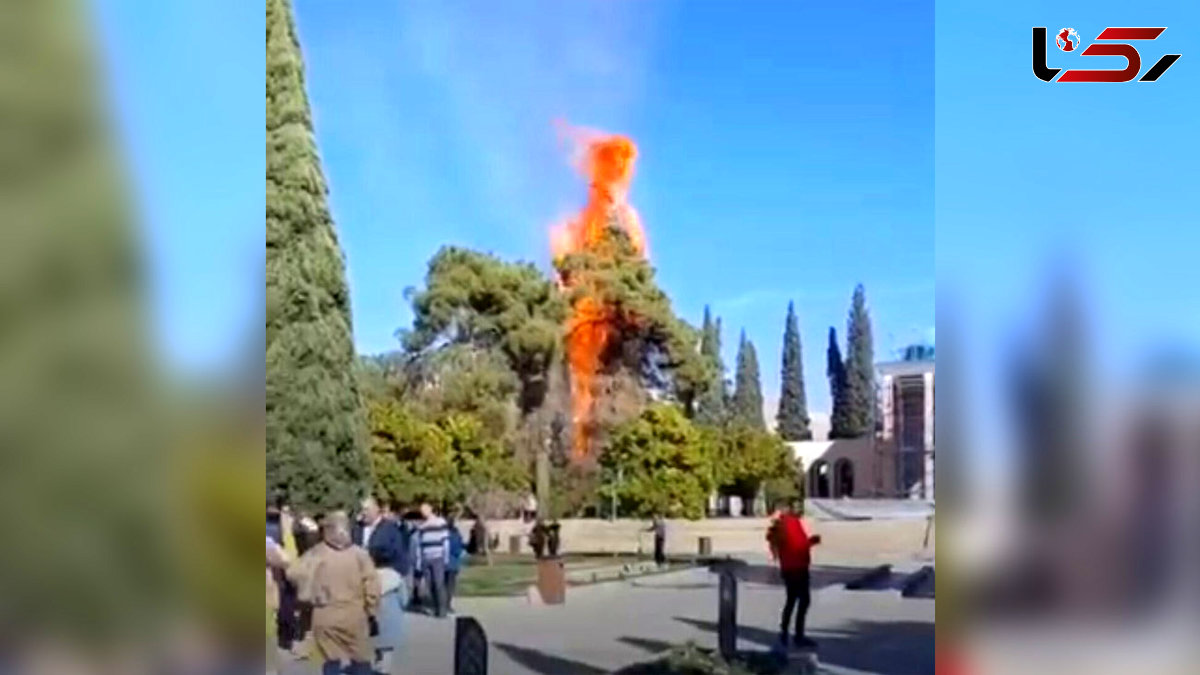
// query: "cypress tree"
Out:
[86,465]
[713,403]
[747,397]
[792,419]
[316,427]
[860,368]
[835,371]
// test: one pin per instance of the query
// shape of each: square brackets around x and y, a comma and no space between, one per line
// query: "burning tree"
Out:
[624,344]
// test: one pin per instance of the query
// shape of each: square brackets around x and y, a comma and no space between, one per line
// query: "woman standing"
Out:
[389,619]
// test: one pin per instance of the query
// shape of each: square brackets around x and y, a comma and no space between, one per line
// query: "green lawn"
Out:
[513,574]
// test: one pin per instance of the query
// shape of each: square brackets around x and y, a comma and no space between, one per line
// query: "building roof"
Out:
[905,367]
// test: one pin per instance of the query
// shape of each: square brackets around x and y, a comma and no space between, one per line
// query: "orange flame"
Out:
[607,162]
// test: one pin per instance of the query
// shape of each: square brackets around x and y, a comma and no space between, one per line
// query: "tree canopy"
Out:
[860,369]
[658,463]
[654,342]
[316,429]
[792,422]
[712,406]
[472,298]
[747,405]
[835,372]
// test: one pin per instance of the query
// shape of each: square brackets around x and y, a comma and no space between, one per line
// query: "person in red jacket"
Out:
[791,546]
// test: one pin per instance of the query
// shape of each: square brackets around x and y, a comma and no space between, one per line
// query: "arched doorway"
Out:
[843,478]
[819,480]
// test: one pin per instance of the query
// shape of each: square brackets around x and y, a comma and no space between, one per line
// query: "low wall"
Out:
[882,539]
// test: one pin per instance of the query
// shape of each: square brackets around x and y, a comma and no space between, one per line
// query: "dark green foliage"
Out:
[449,460]
[659,463]
[476,299]
[712,407]
[860,369]
[88,498]
[792,423]
[748,459]
[655,345]
[835,371]
[316,428]
[747,405]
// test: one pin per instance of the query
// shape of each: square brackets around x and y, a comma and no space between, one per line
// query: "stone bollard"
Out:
[705,546]
[727,614]
[470,647]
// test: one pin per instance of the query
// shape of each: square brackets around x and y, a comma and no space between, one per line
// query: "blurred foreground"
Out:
[128,500]
[1070,538]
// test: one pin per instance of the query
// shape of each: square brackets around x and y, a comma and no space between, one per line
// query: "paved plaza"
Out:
[605,627]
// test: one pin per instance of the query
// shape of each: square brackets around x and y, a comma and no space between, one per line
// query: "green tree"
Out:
[652,344]
[447,460]
[860,369]
[316,428]
[413,458]
[475,299]
[663,463]
[86,477]
[747,405]
[747,459]
[792,421]
[713,403]
[835,371]
[461,378]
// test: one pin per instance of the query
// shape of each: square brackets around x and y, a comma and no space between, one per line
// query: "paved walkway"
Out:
[605,627]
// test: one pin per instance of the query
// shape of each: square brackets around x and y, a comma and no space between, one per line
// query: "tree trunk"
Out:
[543,481]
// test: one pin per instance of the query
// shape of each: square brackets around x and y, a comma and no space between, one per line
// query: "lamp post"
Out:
[612,513]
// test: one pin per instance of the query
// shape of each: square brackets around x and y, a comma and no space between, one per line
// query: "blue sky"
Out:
[781,156]
[1033,177]
[185,84]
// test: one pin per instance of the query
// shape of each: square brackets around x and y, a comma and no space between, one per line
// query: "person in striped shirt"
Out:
[433,536]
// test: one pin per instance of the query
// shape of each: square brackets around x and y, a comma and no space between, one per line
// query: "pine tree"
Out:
[835,371]
[712,408]
[860,368]
[316,425]
[747,397]
[792,423]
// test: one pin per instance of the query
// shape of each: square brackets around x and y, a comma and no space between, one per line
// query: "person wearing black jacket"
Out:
[383,538]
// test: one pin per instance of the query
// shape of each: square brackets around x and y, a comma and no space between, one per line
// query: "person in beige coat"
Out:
[339,579]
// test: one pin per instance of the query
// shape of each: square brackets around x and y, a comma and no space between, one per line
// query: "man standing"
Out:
[659,528]
[791,546]
[433,535]
[339,580]
[383,538]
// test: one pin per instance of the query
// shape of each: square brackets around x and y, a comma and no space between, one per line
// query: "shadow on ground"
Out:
[547,664]
[820,575]
[647,644]
[885,648]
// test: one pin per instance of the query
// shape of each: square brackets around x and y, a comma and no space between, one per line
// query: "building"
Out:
[897,461]
[905,428]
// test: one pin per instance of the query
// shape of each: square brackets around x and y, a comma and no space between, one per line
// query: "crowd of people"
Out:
[338,589]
